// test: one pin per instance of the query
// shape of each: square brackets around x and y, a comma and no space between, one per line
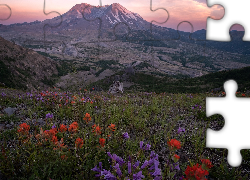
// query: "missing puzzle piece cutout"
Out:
[235,13]
[235,134]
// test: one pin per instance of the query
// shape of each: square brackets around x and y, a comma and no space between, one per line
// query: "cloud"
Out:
[202,1]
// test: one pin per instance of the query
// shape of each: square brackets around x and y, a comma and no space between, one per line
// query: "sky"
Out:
[174,11]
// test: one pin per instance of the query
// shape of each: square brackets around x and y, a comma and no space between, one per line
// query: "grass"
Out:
[148,117]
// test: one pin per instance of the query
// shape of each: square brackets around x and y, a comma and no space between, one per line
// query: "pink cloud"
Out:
[194,11]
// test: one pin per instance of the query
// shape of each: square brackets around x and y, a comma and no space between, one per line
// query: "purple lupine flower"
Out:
[192,107]
[147,147]
[53,126]
[177,167]
[180,130]
[157,172]
[136,164]
[144,164]
[118,170]
[97,170]
[129,158]
[115,157]
[120,160]
[49,116]
[125,135]
[108,175]
[141,144]
[129,167]
[153,155]
[100,165]
[158,178]
[138,176]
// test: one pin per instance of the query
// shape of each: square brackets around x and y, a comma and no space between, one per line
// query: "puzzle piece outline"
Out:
[225,138]
[10,12]
[28,41]
[229,19]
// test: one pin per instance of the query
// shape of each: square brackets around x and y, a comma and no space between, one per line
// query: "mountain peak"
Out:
[110,15]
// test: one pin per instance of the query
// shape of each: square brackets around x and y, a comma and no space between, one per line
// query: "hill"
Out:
[24,68]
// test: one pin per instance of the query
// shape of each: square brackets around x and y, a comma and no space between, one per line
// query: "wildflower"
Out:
[129,167]
[146,147]
[60,144]
[206,164]
[243,95]
[49,116]
[53,126]
[141,144]
[176,156]
[96,129]
[50,133]
[125,135]
[177,167]
[102,141]
[54,139]
[138,175]
[136,164]
[180,130]
[107,175]
[98,169]
[24,128]
[63,128]
[196,172]
[63,157]
[173,143]
[112,127]
[118,170]
[144,164]
[87,117]
[73,127]
[79,142]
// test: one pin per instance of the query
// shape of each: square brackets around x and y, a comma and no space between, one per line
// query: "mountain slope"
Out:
[24,68]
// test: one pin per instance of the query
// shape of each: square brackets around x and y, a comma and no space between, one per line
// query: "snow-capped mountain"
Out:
[109,16]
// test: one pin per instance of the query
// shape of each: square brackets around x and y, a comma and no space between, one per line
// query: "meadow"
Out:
[95,135]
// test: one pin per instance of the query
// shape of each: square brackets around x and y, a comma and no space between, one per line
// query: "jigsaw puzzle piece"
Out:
[189,11]
[122,11]
[5,12]
[46,37]
[219,30]
[236,114]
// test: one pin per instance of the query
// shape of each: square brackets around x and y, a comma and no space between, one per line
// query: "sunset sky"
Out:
[194,11]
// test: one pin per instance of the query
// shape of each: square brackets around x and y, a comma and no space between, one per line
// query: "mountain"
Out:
[82,20]
[93,49]
[24,68]
[109,15]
